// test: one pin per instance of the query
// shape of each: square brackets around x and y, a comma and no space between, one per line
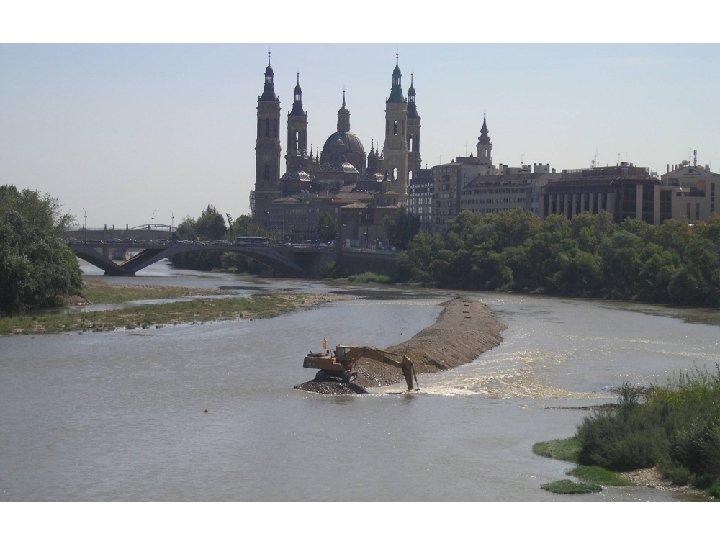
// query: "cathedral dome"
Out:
[338,144]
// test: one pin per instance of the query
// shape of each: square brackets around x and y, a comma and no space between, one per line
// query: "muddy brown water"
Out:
[120,416]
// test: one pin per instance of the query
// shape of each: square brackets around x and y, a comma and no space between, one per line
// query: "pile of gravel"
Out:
[464,330]
[331,387]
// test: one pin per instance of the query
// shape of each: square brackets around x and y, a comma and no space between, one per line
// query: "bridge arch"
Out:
[98,253]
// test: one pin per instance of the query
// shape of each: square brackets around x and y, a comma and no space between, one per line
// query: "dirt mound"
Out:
[331,387]
[464,330]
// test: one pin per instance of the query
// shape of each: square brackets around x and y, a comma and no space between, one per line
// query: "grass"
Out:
[598,475]
[101,292]
[181,312]
[564,449]
[370,277]
[569,450]
[568,487]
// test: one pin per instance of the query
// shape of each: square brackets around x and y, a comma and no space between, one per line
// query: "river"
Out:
[120,416]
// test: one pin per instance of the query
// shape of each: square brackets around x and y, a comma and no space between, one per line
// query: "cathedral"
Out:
[358,191]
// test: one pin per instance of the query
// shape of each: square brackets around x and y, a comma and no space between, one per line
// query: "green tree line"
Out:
[37,268]
[211,226]
[587,256]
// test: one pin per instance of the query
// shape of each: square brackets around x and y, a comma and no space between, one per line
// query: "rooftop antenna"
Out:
[594,162]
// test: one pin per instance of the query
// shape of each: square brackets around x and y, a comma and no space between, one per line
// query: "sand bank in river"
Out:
[463,331]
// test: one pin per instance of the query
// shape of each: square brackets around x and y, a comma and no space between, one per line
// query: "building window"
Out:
[395,126]
[712,198]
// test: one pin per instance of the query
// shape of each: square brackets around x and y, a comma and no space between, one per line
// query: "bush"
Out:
[676,428]
[37,268]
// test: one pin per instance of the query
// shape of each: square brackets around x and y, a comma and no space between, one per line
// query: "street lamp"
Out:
[85,226]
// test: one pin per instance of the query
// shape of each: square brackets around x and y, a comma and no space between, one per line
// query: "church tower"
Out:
[296,156]
[395,149]
[413,136]
[267,148]
[484,146]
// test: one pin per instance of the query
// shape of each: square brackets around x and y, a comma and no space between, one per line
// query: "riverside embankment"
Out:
[105,306]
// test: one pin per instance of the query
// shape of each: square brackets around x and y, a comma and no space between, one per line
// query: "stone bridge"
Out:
[105,255]
[284,260]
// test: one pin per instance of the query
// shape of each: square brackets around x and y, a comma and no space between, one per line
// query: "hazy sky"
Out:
[130,131]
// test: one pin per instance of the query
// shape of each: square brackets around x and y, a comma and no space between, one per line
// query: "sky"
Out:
[154,130]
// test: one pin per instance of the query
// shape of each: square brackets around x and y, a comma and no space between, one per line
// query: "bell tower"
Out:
[296,156]
[484,146]
[267,148]
[395,149]
[413,135]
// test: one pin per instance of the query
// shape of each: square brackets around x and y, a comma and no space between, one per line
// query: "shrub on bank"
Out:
[675,428]
[568,487]
[370,277]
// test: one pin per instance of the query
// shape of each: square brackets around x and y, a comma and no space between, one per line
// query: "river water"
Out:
[120,416]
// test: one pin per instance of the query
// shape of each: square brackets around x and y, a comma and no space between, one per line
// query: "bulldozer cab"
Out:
[341,352]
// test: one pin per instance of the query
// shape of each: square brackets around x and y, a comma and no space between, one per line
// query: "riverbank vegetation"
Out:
[673,428]
[369,277]
[587,256]
[182,311]
[101,291]
[37,268]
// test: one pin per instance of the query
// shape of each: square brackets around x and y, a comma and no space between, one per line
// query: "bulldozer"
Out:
[340,364]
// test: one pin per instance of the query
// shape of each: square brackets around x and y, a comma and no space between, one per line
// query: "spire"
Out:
[412,109]
[269,90]
[396,95]
[343,125]
[297,108]
[484,139]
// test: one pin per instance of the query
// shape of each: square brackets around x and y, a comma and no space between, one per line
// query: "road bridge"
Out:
[306,260]
[106,255]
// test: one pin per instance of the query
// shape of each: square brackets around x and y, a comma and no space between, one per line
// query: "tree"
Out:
[186,229]
[37,268]
[210,225]
[327,227]
[402,228]
[245,226]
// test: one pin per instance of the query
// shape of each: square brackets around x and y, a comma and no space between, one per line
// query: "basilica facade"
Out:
[355,189]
